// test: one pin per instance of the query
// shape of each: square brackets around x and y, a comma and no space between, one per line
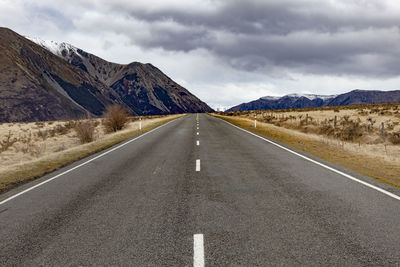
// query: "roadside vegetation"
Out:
[115,118]
[30,150]
[365,138]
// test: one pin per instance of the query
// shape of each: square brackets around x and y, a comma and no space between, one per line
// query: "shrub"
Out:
[115,118]
[327,129]
[268,119]
[351,132]
[70,124]
[395,138]
[85,131]
[7,142]
[42,134]
[37,150]
[39,124]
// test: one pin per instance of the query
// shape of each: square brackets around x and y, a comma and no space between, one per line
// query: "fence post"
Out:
[306,118]
[255,121]
[140,123]
[383,129]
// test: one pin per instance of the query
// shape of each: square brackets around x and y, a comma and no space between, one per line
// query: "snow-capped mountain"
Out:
[297,96]
[59,49]
[47,80]
[286,101]
[312,100]
[311,96]
[270,97]
[143,87]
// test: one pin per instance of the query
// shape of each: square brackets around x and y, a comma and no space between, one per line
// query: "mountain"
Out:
[287,101]
[142,87]
[37,85]
[309,100]
[49,82]
[365,97]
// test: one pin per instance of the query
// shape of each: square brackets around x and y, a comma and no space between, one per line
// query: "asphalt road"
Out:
[166,200]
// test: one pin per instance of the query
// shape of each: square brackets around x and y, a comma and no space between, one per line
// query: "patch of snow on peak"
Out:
[55,47]
[311,96]
[271,97]
[325,97]
[295,95]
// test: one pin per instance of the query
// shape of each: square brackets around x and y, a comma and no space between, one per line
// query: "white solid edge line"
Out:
[321,164]
[197,165]
[198,250]
[82,164]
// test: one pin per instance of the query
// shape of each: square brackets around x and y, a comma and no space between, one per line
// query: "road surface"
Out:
[193,193]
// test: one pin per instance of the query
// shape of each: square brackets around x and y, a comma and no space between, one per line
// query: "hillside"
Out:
[37,83]
[142,87]
[310,101]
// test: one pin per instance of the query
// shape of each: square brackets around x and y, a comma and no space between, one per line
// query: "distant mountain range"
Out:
[309,100]
[45,80]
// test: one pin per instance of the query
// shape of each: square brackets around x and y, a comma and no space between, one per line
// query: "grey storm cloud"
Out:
[231,51]
[342,37]
[50,14]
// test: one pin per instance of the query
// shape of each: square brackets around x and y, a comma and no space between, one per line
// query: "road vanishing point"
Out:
[198,191]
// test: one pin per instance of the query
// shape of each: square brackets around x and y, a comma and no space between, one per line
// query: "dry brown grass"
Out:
[35,153]
[7,142]
[115,118]
[380,160]
[354,123]
[85,131]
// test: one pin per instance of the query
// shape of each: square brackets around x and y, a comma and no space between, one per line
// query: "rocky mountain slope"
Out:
[37,85]
[308,101]
[39,82]
[142,87]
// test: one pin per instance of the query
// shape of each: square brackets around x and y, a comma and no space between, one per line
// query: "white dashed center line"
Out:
[198,241]
[197,165]
[198,250]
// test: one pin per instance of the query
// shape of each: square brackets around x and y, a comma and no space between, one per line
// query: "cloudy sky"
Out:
[227,51]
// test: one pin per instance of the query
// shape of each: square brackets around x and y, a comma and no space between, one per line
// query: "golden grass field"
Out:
[30,150]
[356,142]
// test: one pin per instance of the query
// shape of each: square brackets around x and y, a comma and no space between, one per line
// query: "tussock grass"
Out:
[22,172]
[85,131]
[7,142]
[115,118]
[372,162]
[364,124]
